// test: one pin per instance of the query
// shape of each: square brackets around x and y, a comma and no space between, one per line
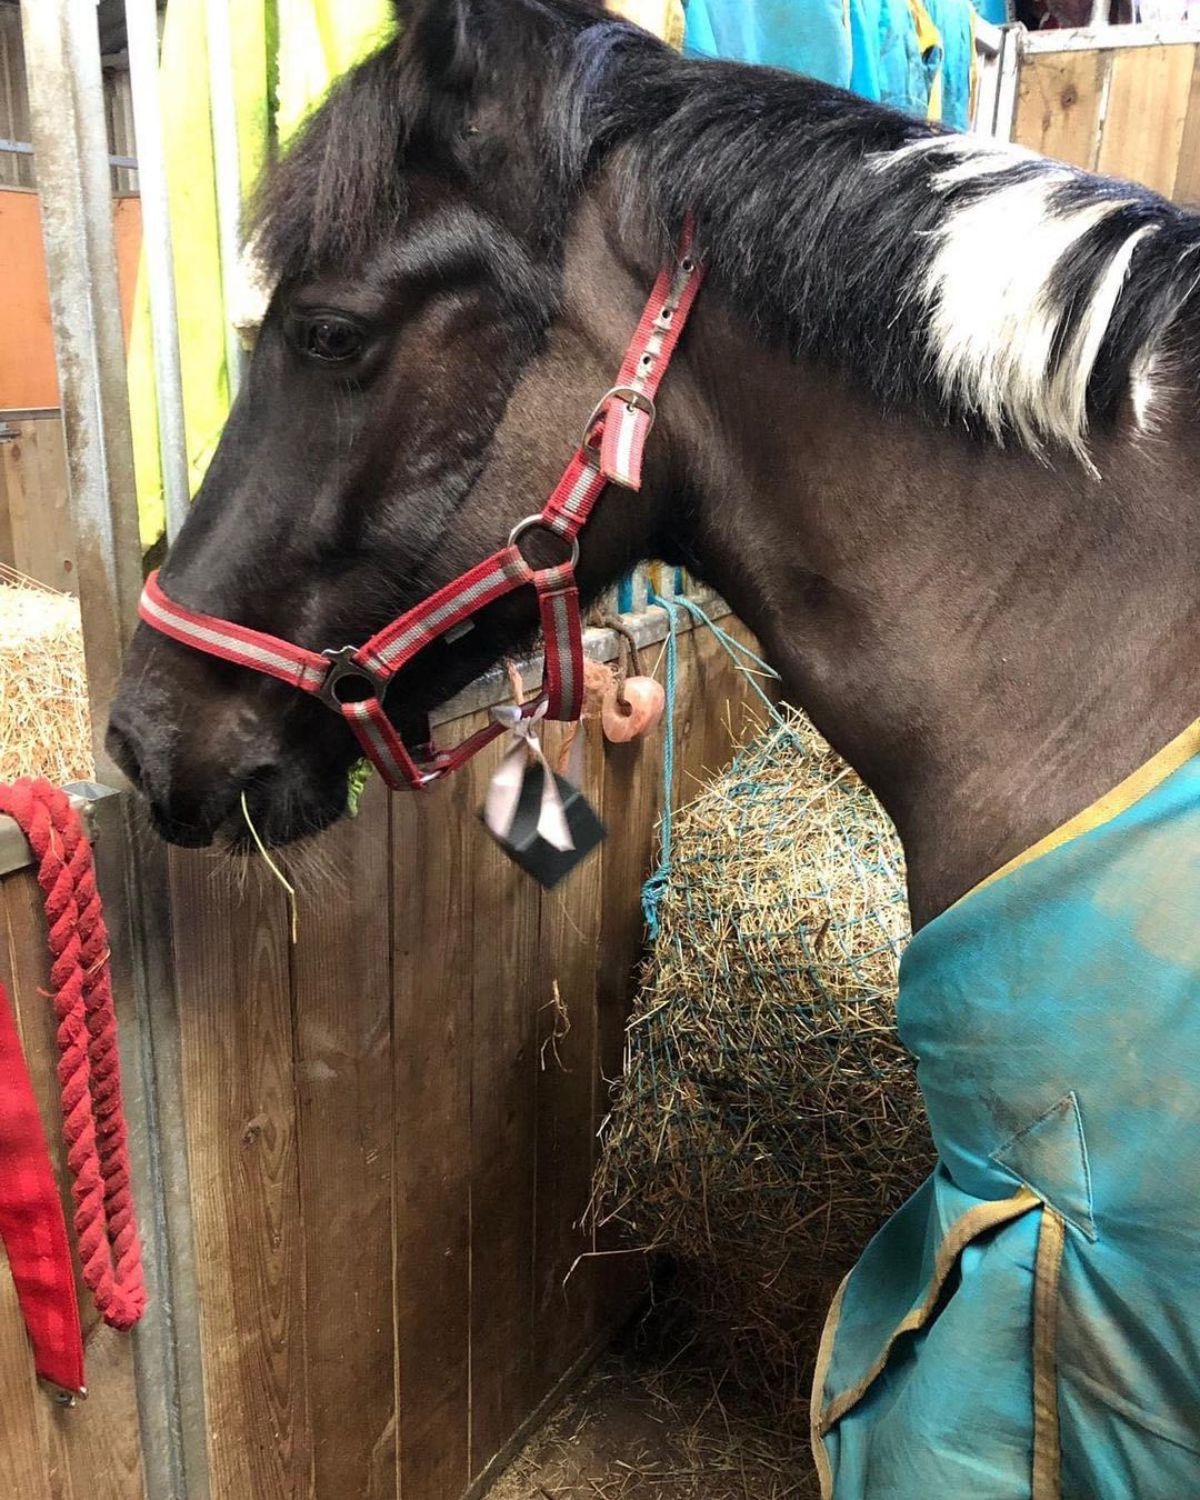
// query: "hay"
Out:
[45,726]
[768,1119]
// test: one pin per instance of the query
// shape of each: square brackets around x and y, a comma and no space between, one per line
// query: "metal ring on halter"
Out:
[530,523]
[344,668]
[634,399]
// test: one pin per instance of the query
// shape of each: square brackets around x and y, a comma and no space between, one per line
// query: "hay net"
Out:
[768,1118]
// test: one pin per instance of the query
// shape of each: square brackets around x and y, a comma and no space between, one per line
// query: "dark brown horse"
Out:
[931,431]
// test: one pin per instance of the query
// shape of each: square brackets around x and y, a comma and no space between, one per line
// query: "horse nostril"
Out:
[123,748]
[176,831]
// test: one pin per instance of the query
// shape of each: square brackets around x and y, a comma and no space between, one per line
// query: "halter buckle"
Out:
[343,667]
[634,399]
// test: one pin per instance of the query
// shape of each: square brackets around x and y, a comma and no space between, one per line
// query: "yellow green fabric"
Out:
[665,18]
[286,53]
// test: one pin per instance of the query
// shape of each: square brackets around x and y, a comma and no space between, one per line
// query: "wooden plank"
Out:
[434,841]
[567,1064]
[1147,108]
[93,1451]
[1059,101]
[1187,171]
[24,1460]
[343,1026]
[503,1136]
[38,502]
[633,800]
[23,1457]
[7,551]
[232,960]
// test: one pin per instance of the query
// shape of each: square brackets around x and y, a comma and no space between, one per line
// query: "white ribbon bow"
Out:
[504,792]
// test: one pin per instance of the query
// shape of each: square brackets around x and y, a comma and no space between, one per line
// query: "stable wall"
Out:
[384,1142]
[27,375]
[1122,100]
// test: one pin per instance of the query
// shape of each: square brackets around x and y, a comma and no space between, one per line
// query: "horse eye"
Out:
[330,340]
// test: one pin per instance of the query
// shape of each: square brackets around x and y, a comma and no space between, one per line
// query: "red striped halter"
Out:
[352,681]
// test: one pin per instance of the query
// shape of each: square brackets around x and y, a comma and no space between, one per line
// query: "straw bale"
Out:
[768,1119]
[45,727]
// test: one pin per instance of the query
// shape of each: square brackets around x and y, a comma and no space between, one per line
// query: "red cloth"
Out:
[32,1224]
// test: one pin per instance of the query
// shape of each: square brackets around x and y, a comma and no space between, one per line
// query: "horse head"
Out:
[448,304]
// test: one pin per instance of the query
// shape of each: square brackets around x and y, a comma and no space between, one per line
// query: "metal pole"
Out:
[227,161]
[141,24]
[66,100]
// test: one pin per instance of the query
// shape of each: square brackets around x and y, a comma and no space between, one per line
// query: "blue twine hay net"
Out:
[768,1118]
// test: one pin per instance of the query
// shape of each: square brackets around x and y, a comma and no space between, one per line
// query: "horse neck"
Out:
[991,641]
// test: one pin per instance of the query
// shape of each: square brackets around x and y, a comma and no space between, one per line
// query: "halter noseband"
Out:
[352,681]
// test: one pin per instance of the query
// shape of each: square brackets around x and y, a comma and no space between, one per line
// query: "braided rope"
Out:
[89,1068]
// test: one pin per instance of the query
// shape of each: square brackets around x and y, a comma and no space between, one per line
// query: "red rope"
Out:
[89,1069]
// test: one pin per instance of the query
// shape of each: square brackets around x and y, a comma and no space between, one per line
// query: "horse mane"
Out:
[983,284]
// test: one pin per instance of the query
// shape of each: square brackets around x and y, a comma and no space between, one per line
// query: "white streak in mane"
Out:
[988,291]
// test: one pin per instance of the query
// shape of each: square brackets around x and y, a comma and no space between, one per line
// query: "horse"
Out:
[931,433]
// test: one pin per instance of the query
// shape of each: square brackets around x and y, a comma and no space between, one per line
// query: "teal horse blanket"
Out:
[1027,1327]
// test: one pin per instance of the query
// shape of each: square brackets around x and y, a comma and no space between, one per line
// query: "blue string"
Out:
[738,654]
[656,887]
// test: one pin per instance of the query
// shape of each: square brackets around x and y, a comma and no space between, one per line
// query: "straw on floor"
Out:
[768,1119]
[45,725]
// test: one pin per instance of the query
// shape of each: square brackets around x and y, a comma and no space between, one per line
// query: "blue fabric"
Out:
[812,37]
[1055,1015]
[869,46]
[886,63]
[995,11]
[953,19]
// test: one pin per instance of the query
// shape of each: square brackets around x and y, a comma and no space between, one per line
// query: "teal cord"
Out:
[656,887]
[752,667]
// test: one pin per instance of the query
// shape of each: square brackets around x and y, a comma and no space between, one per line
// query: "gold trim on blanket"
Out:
[1047,1448]
[965,1229]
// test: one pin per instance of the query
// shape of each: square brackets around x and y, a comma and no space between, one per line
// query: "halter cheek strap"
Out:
[352,681]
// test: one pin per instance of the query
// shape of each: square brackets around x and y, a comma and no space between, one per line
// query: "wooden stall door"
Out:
[37,535]
[1129,111]
[391,1126]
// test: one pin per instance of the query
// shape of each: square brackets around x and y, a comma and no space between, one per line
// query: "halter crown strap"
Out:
[352,681]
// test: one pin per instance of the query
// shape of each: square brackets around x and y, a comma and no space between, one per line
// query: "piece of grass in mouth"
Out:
[293,910]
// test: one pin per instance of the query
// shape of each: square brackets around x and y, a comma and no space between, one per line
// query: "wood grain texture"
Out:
[37,525]
[1187,172]
[567,1068]
[1147,110]
[93,1451]
[24,1460]
[504,939]
[232,962]
[1059,101]
[24,1457]
[433,845]
[342,997]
